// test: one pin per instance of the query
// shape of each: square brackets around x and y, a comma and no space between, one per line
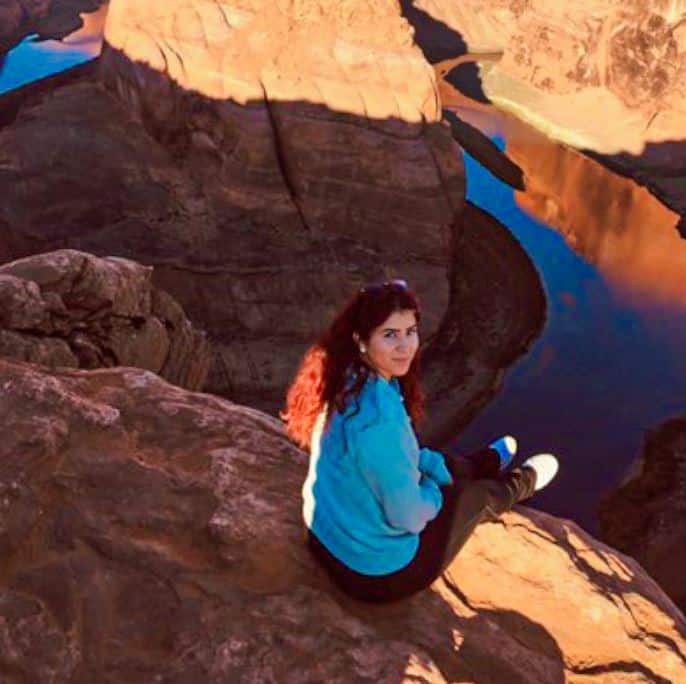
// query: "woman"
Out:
[384,516]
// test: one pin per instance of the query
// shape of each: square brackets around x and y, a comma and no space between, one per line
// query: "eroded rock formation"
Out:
[645,516]
[497,307]
[148,531]
[68,308]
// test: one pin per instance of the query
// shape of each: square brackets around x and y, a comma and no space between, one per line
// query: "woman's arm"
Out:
[388,464]
[432,463]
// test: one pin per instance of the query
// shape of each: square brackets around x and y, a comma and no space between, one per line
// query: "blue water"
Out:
[602,372]
[32,60]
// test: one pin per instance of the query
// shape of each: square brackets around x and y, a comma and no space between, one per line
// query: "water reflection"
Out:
[32,60]
[609,363]
[609,220]
[612,222]
[603,370]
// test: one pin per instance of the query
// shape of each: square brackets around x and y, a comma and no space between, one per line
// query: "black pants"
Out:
[478,491]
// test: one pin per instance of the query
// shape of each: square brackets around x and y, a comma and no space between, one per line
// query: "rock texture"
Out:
[47,18]
[259,284]
[606,77]
[151,532]
[645,516]
[68,308]
[562,61]
[497,308]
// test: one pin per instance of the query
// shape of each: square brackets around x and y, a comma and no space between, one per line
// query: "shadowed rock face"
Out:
[260,291]
[645,516]
[497,307]
[68,308]
[261,217]
[260,284]
[148,531]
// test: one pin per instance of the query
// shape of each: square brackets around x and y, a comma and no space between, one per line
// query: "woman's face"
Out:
[393,344]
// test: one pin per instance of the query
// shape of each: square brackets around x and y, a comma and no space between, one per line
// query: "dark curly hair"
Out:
[321,377]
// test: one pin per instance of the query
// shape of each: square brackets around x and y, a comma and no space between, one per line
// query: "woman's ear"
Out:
[356,337]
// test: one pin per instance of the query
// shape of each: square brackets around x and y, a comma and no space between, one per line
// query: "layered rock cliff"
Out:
[152,532]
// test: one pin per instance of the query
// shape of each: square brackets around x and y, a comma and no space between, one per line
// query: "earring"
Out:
[363,349]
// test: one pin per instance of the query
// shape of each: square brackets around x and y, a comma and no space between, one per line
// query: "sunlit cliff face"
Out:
[606,75]
[337,54]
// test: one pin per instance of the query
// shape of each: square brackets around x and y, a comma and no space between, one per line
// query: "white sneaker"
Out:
[546,467]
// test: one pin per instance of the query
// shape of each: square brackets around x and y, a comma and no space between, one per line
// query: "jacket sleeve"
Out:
[387,463]
[432,463]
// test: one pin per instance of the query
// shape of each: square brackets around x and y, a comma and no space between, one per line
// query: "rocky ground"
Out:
[152,532]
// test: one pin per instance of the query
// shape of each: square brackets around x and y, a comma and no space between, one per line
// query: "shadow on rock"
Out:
[437,40]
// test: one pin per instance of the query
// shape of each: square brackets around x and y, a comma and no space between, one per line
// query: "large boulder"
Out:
[69,308]
[152,533]
[645,516]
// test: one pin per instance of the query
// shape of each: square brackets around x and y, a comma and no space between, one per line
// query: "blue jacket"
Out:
[370,488]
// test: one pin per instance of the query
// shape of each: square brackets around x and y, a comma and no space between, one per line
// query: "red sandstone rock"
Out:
[148,531]
[68,308]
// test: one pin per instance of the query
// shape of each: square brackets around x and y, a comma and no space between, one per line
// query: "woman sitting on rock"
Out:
[385,516]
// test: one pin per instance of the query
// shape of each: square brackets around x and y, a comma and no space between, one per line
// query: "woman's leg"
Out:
[478,500]
[478,465]
[465,504]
